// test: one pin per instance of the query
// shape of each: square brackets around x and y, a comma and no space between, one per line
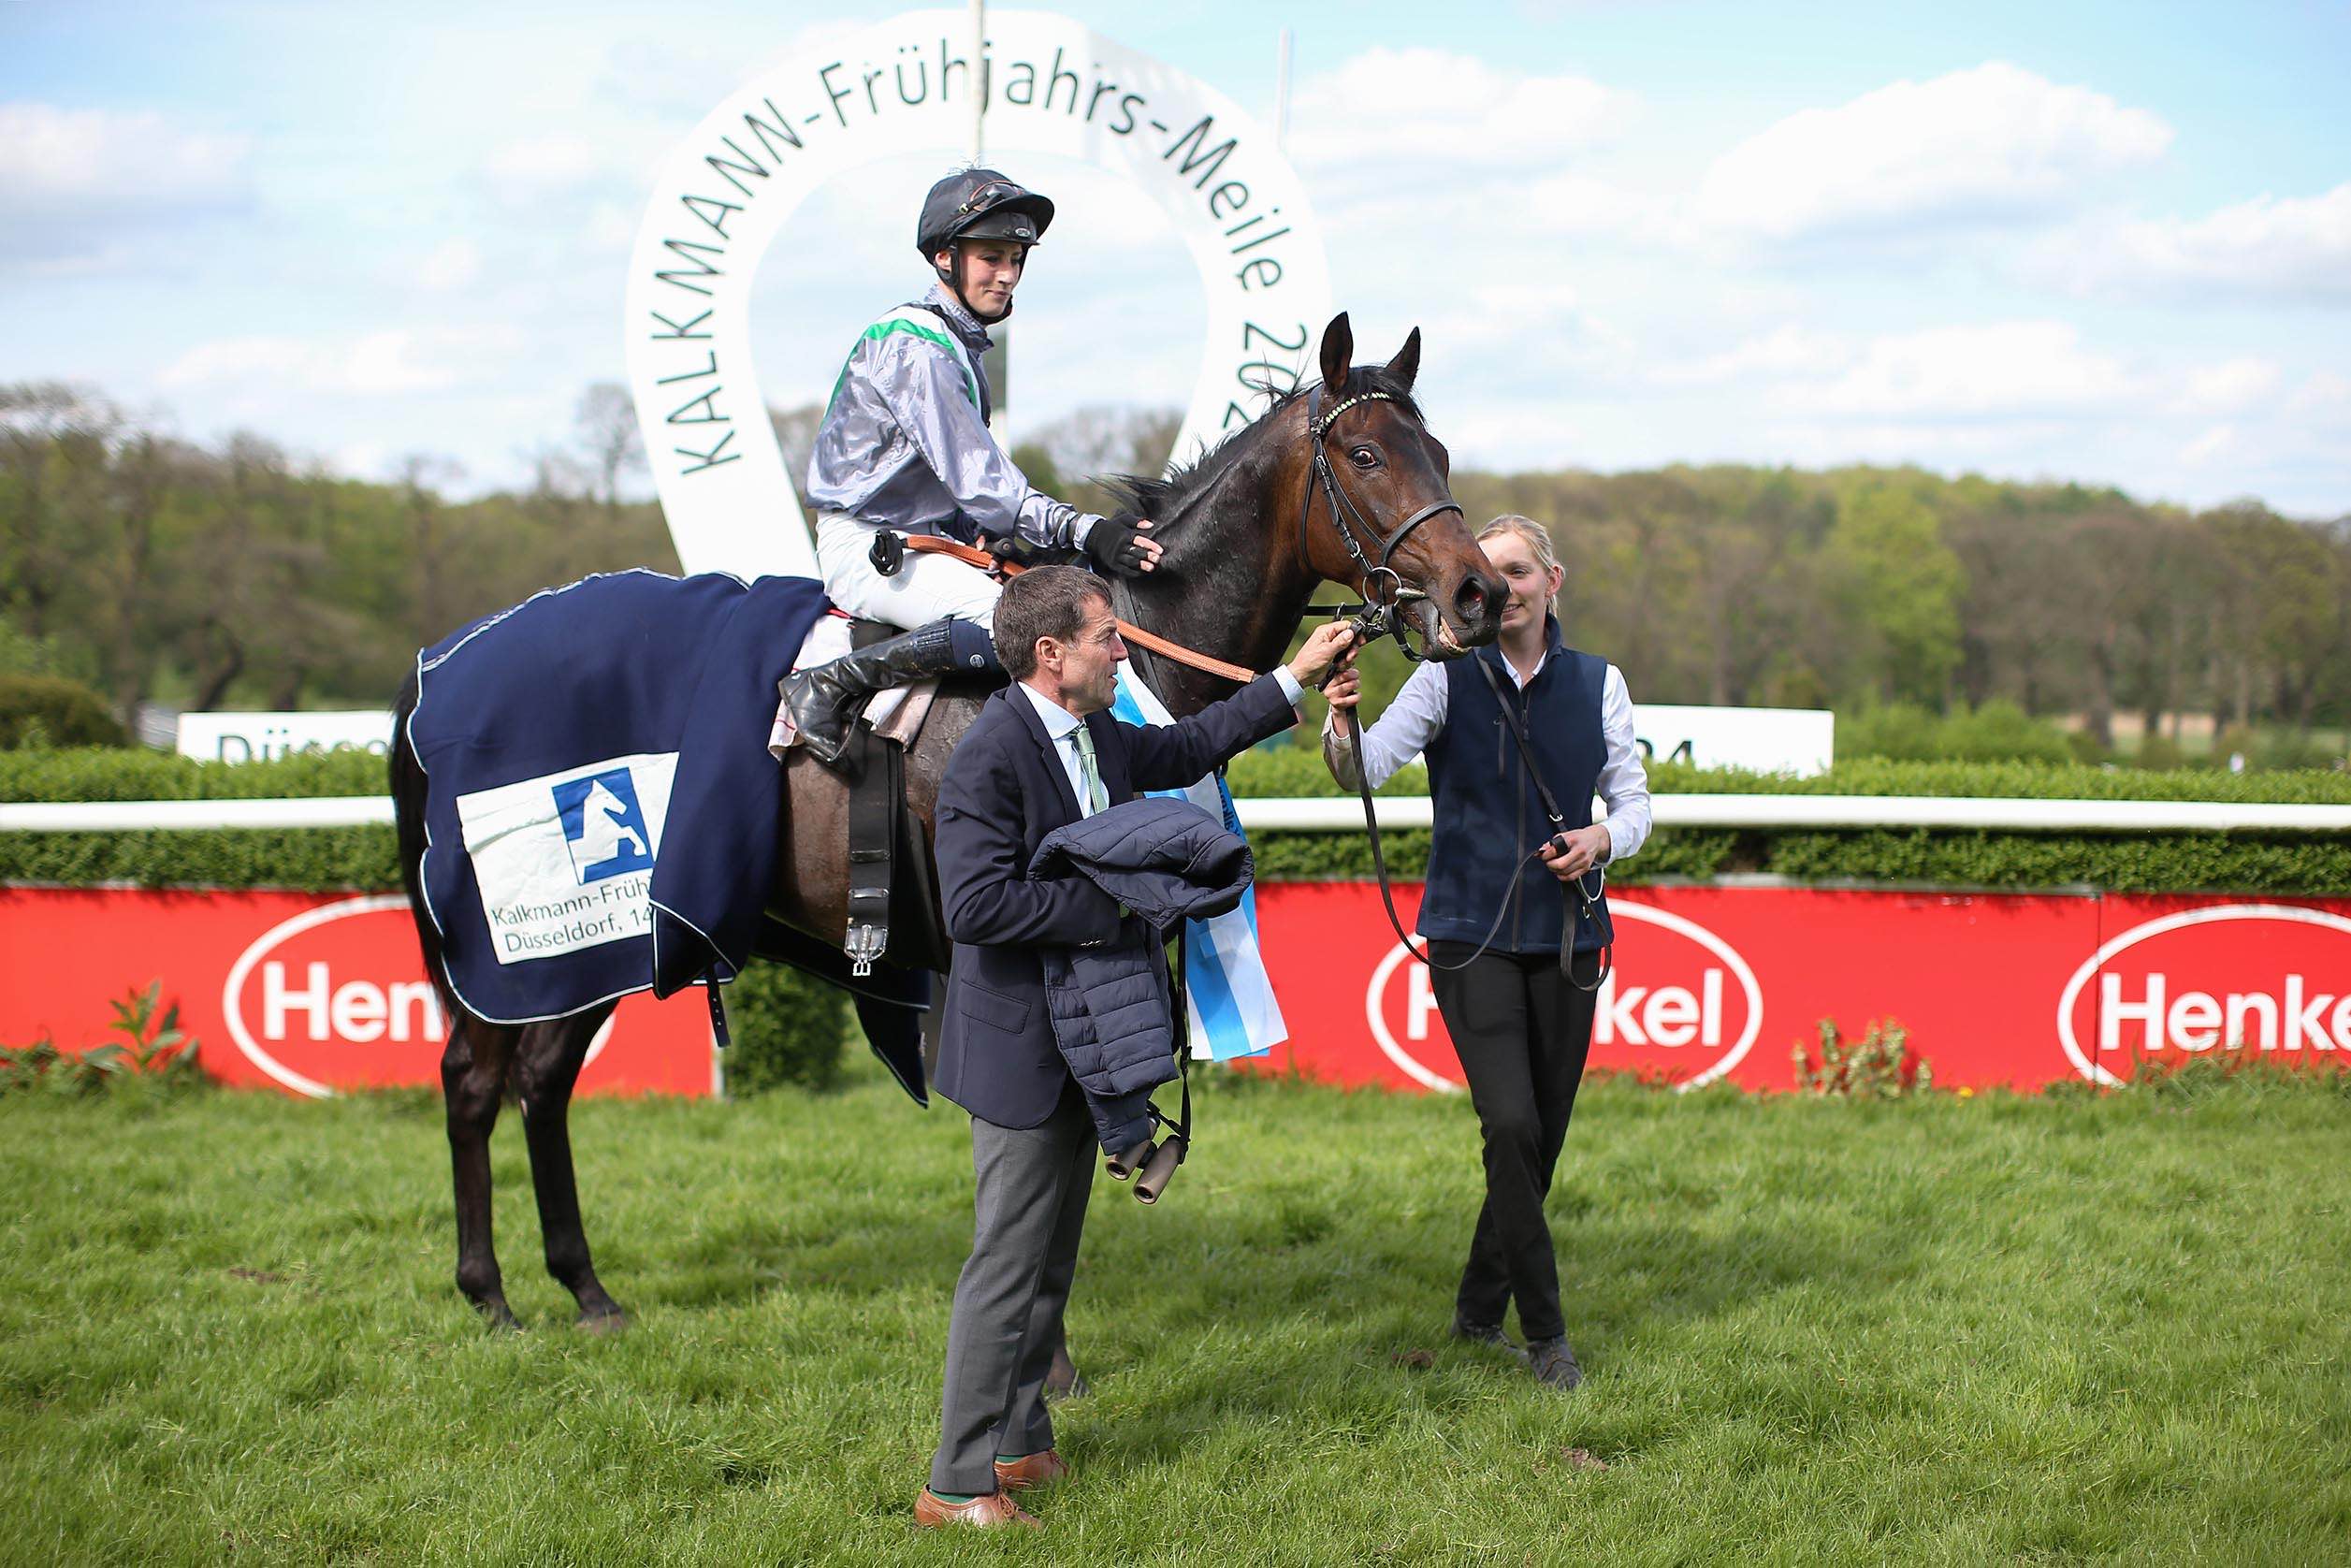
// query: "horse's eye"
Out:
[1363,457]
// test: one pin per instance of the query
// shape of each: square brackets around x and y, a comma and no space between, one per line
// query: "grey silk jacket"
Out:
[905,442]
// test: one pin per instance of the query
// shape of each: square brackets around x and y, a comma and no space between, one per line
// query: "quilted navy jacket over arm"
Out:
[1165,861]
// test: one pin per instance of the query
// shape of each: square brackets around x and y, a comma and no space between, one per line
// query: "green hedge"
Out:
[786,1029]
[330,859]
[1275,770]
[142,775]
[321,859]
[51,710]
[1298,771]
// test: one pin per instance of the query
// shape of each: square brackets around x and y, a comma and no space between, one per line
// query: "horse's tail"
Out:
[407,819]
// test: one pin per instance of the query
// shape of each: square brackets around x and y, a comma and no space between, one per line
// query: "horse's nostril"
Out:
[1471,601]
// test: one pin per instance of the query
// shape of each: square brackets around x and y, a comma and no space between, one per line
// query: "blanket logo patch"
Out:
[565,861]
[604,826]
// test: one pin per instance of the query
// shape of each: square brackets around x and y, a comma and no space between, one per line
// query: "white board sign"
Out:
[1798,741]
[257,737]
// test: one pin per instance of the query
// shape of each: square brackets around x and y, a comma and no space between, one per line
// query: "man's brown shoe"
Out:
[995,1508]
[1031,1469]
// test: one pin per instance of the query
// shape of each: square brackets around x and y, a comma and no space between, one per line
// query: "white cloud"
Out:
[546,164]
[60,159]
[2012,447]
[1993,142]
[2229,386]
[683,76]
[73,181]
[2296,248]
[2009,369]
[393,361]
[611,228]
[454,263]
[2217,441]
[1582,203]
[1515,333]
[2323,392]
[1784,351]
[1425,107]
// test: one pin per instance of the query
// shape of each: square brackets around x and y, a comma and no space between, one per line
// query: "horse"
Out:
[1245,545]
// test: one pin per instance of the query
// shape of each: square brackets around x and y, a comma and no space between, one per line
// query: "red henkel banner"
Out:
[1995,989]
[310,991]
[318,992]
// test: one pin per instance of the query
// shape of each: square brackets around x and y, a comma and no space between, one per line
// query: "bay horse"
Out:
[1245,545]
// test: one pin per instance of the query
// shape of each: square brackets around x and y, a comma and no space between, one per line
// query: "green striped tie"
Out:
[1098,798]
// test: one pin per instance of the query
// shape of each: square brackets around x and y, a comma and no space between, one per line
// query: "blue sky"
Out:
[2101,242]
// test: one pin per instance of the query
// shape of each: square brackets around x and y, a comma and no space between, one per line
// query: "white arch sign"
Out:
[905,86]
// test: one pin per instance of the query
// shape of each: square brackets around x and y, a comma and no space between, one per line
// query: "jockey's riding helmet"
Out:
[980,204]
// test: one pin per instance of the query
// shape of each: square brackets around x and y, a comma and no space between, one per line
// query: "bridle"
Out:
[1382,613]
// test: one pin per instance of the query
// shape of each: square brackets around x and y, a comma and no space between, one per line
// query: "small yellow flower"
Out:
[1967,1094]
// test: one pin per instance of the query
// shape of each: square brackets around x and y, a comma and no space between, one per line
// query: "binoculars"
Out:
[1151,1168]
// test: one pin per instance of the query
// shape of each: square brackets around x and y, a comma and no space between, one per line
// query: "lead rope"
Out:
[1181,1125]
[1379,864]
[1352,732]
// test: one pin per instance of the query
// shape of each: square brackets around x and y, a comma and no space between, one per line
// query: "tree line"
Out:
[156,569]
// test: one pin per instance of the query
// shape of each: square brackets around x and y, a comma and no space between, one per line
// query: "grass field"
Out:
[1956,1330]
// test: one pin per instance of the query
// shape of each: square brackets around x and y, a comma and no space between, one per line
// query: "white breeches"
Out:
[928,587]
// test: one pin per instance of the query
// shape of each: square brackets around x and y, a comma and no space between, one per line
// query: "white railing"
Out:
[1865,811]
[1338,815]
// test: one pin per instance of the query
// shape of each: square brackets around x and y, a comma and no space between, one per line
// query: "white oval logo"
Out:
[1668,1015]
[2283,1005]
[320,993]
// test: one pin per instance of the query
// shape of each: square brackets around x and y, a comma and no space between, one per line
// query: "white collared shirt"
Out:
[1061,725]
[1417,716]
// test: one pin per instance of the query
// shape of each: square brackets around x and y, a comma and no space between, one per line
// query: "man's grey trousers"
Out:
[1031,1206]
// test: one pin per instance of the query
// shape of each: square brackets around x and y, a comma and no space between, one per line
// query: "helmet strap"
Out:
[952,276]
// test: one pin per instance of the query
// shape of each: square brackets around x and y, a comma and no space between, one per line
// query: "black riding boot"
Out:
[826,699]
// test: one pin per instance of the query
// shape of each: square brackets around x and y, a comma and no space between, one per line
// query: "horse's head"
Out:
[1379,512]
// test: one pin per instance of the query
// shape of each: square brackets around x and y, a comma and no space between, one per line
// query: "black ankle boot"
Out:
[826,699]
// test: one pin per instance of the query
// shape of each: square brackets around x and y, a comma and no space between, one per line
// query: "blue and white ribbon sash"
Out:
[1229,994]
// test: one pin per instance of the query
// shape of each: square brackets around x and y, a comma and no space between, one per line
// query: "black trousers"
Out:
[1522,1032]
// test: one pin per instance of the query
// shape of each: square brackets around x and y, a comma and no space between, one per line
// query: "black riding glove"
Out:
[1024,552]
[1118,547]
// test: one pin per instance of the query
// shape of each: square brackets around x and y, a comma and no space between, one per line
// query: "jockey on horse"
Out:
[904,447]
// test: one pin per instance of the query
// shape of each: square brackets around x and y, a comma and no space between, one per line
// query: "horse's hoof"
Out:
[497,1317]
[605,1323]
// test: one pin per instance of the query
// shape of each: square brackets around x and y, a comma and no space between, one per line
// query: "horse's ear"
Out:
[1338,353]
[1406,364]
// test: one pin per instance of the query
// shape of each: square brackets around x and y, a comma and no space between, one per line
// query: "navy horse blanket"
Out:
[600,807]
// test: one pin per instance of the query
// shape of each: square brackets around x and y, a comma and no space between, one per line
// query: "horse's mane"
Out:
[1167,499]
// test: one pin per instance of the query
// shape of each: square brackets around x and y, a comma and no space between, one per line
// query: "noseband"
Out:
[1348,519]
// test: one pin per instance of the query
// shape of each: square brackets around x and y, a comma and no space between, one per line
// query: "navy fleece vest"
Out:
[1487,812]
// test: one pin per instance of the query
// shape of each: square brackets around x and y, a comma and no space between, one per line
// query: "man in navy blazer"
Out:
[1043,754]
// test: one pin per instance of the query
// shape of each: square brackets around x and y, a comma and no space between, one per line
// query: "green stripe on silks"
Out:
[888,328]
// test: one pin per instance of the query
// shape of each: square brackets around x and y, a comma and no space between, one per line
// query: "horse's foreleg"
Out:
[552,1055]
[472,1077]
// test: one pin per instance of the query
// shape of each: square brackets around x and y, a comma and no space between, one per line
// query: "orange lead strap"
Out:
[971,555]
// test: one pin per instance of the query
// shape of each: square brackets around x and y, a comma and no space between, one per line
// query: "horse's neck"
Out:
[1231,588]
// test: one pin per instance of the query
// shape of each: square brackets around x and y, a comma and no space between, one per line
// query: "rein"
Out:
[971,555]
[1379,616]
[1353,729]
